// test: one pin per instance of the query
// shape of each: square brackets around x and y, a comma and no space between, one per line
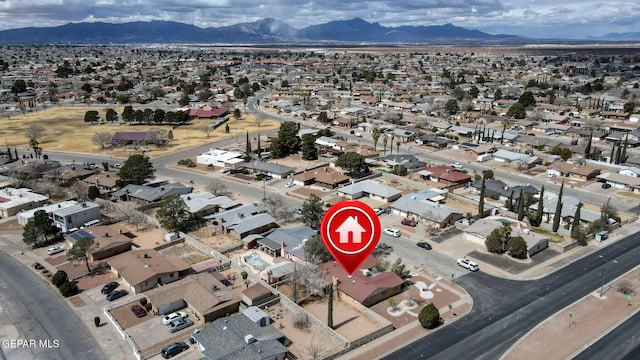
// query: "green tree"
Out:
[497,95]
[400,170]
[248,151]
[19,86]
[488,174]
[518,247]
[111,115]
[540,210]
[309,150]
[629,107]
[287,142]
[400,269]
[93,192]
[558,214]
[566,154]
[587,148]
[86,88]
[81,250]
[136,169]
[517,111]
[451,107]
[481,200]
[173,214]
[91,116]
[474,92]
[59,278]
[315,252]
[312,212]
[68,288]
[575,225]
[31,234]
[429,316]
[520,207]
[351,161]
[236,114]
[226,128]
[527,99]
[494,242]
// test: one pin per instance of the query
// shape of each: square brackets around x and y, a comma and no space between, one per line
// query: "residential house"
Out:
[25,216]
[569,205]
[287,243]
[239,337]
[105,181]
[447,175]
[627,178]
[201,295]
[416,206]
[75,216]
[142,270]
[410,162]
[274,170]
[243,221]
[363,286]
[13,201]
[434,141]
[330,144]
[109,240]
[278,272]
[205,203]
[521,160]
[325,176]
[499,190]
[480,230]
[575,171]
[221,158]
[257,295]
[145,194]
[371,189]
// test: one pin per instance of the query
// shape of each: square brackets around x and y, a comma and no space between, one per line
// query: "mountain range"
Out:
[265,31]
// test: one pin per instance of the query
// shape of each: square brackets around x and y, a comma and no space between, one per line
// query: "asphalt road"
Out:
[505,310]
[623,342]
[42,315]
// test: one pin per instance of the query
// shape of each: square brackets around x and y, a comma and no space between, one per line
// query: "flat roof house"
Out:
[25,216]
[13,201]
[417,205]
[371,189]
[76,215]
[277,171]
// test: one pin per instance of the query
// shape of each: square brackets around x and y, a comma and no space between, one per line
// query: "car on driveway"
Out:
[117,294]
[178,315]
[139,310]
[109,287]
[392,232]
[54,250]
[174,349]
[606,185]
[409,222]
[179,325]
[225,170]
[424,245]
[468,264]
[289,184]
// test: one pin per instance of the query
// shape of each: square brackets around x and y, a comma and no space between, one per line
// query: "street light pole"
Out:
[604,273]
[264,189]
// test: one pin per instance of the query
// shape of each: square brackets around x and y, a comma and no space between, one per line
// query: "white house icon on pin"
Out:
[350,226]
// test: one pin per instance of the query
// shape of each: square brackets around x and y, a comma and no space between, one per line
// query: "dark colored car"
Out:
[116,294]
[139,310]
[409,222]
[109,287]
[174,349]
[424,245]
[606,185]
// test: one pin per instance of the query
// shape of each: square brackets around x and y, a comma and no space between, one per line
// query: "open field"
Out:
[67,131]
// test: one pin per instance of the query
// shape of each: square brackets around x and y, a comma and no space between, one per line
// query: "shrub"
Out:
[143,301]
[518,247]
[244,275]
[69,288]
[625,287]
[59,278]
[38,266]
[148,306]
[429,316]
[187,162]
[45,271]
[301,320]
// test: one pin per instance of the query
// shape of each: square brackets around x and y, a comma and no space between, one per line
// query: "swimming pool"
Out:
[255,261]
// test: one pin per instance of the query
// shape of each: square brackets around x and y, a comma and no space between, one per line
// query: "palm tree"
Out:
[505,124]
[398,147]
[385,139]
[375,134]
[393,137]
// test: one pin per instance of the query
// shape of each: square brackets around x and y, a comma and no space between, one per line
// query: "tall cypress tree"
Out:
[613,152]
[259,148]
[330,307]
[540,211]
[509,204]
[587,149]
[248,149]
[520,206]
[623,152]
[481,201]
[576,220]
[617,156]
[558,213]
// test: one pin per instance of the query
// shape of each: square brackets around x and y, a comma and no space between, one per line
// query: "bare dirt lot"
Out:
[64,123]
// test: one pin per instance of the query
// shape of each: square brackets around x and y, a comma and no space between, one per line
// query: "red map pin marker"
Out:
[350,230]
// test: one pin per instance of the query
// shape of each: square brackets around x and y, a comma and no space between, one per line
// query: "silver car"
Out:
[179,325]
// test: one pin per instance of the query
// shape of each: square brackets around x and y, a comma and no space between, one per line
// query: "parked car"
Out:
[225,170]
[117,294]
[409,222]
[109,287]
[606,185]
[54,250]
[392,232]
[289,184]
[178,315]
[379,211]
[297,210]
[117,165]
[179,325]
[174,349]
[468,264]
[424,245]
[139,310]
[456,165]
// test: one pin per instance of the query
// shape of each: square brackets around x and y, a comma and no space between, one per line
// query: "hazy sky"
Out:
[532,18]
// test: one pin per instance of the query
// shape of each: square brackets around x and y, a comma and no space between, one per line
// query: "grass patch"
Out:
[629,194]
[553,237]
